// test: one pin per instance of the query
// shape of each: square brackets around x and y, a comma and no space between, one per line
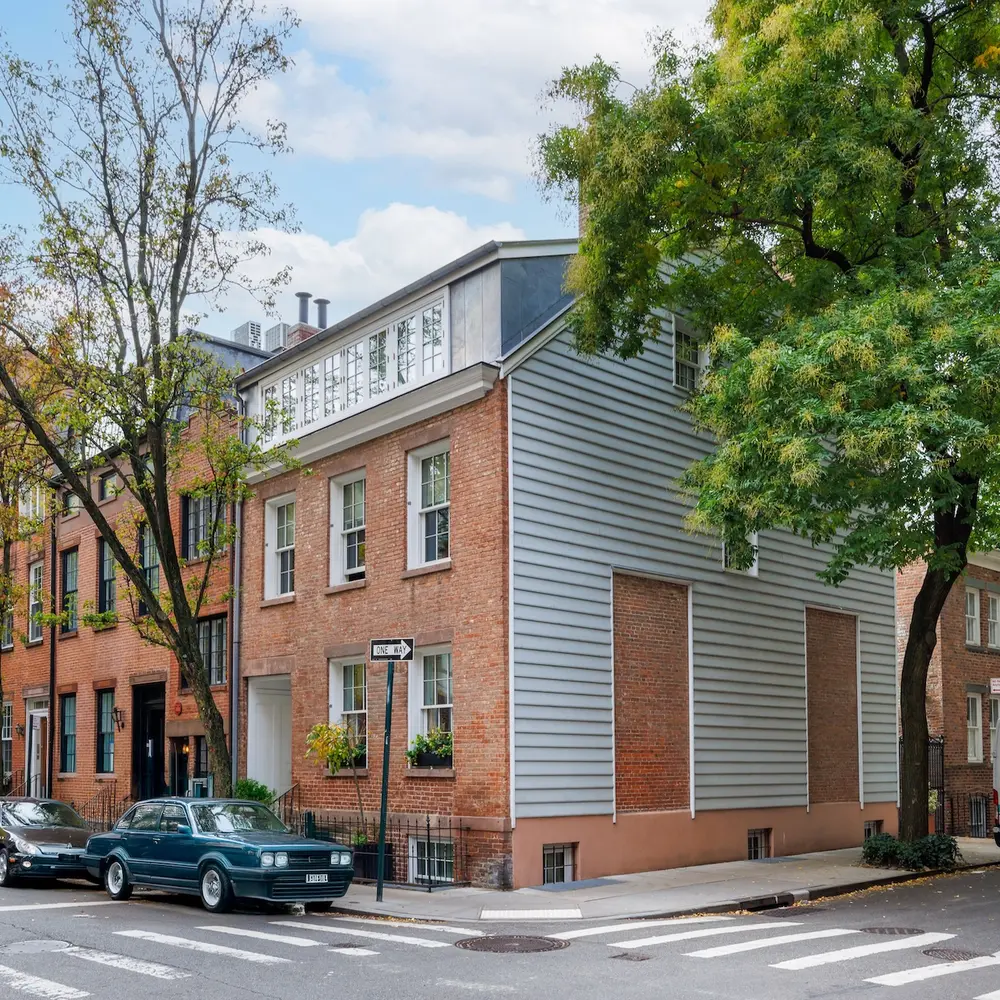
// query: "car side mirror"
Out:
[183,829]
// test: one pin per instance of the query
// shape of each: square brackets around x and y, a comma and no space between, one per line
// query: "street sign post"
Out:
[389,650]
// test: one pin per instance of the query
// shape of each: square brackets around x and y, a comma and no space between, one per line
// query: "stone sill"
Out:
[106,777]
[430,772]
[274,601]
[62,775]
[69,635]
[362,772]
[341,587]
[435,567]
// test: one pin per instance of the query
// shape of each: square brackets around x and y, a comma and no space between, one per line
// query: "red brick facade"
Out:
[651,694]
[831,673]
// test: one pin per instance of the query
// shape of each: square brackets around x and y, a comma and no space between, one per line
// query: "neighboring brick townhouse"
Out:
[119,724]
[620,700]
[963,692]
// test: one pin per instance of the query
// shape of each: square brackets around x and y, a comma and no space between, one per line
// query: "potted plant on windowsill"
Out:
[433,750]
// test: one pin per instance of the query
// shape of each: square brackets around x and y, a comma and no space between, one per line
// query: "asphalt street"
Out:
[937,938]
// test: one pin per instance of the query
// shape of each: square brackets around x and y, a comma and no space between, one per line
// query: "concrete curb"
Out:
[754,904]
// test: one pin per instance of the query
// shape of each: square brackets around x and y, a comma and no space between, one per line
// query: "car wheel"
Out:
[116,881]
[6,877]
[323,907]
[216,890]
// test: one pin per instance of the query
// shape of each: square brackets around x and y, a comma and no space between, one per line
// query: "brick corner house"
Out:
[963,708]
[620,700]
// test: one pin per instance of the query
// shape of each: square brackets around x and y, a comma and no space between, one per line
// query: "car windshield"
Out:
[237,817]
[43,814]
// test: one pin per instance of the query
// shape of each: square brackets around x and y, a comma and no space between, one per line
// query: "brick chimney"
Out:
[302,330]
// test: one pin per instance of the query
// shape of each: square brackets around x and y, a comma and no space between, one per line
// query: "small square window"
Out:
[873,827]
[557,863]
[431,861]
[758,844]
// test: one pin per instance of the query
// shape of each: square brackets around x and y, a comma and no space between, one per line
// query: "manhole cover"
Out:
[631,956]
[35,947]
[794,911]
[951,954]
[510,944]
[891,931]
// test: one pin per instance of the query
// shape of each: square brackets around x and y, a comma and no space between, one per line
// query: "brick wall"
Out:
[651,694]
[462,607]
[832,665]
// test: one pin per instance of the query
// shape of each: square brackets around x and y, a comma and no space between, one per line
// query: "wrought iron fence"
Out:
[431,852]
[935,776]
[286,805]
[15,784]
[104,809]
[969,815]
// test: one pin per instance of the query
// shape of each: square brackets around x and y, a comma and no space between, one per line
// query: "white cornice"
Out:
[457,389]
[988,560]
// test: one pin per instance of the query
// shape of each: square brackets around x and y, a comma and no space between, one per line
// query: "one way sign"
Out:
[391,649]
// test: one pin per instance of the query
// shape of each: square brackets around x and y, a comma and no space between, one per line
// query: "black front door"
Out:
[148,714]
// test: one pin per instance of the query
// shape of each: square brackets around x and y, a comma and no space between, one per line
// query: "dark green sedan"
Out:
[219,849]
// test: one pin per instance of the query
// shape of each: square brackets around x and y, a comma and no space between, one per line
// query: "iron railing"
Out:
[935,776]
[430,852]
[16,785]
[969,815]
[104,809]
[286,805]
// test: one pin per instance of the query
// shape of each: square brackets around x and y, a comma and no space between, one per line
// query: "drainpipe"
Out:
[236,589]
[52,654]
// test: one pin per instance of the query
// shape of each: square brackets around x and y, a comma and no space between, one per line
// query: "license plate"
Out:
[317,878]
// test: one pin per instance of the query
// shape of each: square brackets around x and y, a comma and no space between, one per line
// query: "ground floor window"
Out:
[432,860]
[758,844]
[873,827]
[7,743]
[557,863]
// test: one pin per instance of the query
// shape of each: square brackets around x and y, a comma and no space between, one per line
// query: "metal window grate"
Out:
[873,827]
[557,863]
[758,844]
[979,816]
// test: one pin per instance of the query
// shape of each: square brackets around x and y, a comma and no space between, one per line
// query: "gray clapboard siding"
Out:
[597,446]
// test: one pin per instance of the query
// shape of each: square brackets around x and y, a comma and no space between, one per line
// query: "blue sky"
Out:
[412,123]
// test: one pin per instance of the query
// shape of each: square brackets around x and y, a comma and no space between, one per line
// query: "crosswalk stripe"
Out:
[995,995]
[704,932]
[136,965]
[633,925]
[20,907]
[359,952]
[373,935]
[933,971]
[204,946]
[36,987]
[415,925]
[298,942]
[735,949]
[848,954]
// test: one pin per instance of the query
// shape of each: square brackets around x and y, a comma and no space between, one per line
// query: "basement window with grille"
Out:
[557,863]
[758,844]
[873,827]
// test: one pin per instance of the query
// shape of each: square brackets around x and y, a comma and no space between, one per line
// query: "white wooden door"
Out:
[269,731]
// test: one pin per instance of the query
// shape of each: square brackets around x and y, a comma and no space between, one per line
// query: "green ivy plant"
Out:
[437,741]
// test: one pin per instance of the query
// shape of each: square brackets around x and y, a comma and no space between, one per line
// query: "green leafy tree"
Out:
[817,189]
[131,148]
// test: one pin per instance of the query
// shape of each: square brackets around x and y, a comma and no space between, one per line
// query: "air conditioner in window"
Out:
[202,788]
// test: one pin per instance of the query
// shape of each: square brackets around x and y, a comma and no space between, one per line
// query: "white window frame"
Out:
[569,866]
[7,739]
[753,569]
[32,502]
[699,367]
[36,588]
[338,534]
[271,551]
[414,845]
[974,727]
[338,710]
[993,620]
[7,632]
[972,624]
[415,526]
[415,691]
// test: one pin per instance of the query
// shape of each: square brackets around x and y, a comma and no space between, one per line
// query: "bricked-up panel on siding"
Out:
[832,665]
[651,694]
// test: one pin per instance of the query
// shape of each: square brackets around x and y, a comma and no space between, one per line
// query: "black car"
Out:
[41,838]
[220,850]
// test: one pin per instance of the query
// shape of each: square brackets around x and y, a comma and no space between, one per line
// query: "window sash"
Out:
[289,402]
[107,598]
[212,643]
[973,716]
[436,692]
[284,520]
[67,733]
[310,394]
[7,723]
[201,757]
[406,350]
[435,506]
[993,625]
[7,631]
[267,416]
[332,382]
[106,732]
[972,636]
[354,710]
[687,361]
[353,532]
[378,363]
[35,602]
[432,339]
[355,375]
[202,519]
[434,860]
[70,582]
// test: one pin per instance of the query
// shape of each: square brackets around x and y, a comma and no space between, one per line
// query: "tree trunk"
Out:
[219,759]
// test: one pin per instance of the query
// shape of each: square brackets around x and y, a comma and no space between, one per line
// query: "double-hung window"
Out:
[107,486]
[974,724]
[212,643]
[7,742]
[347,529]
[32,502]
[71,504]
[67,733]
[993,612]
[349,701]
[972,634]
[430,505]
[436,705]
[687,361]
[105,731]
[279,571]
[150,559]
[107,595]
[70,587]
[202,521]
[35,601]
[7,631]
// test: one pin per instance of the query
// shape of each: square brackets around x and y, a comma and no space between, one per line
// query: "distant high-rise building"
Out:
[276,339]
[248,334]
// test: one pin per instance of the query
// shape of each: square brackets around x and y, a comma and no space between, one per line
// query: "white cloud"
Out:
[456,83]
[390,248]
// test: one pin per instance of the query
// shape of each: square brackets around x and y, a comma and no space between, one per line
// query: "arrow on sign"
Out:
[391,649]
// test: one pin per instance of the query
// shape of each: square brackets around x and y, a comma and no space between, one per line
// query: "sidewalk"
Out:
[673,892]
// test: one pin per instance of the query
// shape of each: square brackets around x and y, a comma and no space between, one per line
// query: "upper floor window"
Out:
[430,504]
[751,570]
[71,504]
[202,523]
[35,584]
[974,724]
[67,733]
[972,634]
[687,361]
[7,742]
[993,623]
[32,502]
[279,570]
[149,557]
[7,631]
[347,529]
[107,594]
[105,731]
[70,581]
[349,699]
[107,486]
[431,675]
[433,339]
[212,643]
